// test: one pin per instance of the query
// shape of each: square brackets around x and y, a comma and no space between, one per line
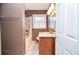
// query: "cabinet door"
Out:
[47,46]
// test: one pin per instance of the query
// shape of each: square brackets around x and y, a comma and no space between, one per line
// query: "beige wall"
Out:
[13,30]
[0,30]
[12,9]
[0,38]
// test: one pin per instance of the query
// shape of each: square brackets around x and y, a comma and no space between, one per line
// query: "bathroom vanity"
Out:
[46,43]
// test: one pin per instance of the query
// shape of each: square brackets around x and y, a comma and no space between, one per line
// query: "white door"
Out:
[60,28]
[71,41]
[67,28]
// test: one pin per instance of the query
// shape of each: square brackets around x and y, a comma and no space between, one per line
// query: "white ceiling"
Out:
[37,6]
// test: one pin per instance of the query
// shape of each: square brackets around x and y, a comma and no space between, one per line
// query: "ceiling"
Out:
[37,6]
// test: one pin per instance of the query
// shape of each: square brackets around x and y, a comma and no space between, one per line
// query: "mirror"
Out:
[51,23]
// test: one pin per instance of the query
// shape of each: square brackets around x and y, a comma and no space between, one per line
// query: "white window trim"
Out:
[34,15]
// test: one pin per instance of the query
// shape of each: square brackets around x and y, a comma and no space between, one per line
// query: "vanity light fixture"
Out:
[51,8]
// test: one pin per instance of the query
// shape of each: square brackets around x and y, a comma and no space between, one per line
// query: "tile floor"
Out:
[34,49]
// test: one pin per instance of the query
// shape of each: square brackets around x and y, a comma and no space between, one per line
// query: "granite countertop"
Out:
[46,34]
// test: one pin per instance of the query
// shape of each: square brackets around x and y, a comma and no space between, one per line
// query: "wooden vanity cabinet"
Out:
[47,46]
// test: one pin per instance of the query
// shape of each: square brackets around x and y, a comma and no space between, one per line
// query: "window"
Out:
[39,21]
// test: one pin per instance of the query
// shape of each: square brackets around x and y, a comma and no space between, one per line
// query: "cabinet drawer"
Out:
[47,46]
